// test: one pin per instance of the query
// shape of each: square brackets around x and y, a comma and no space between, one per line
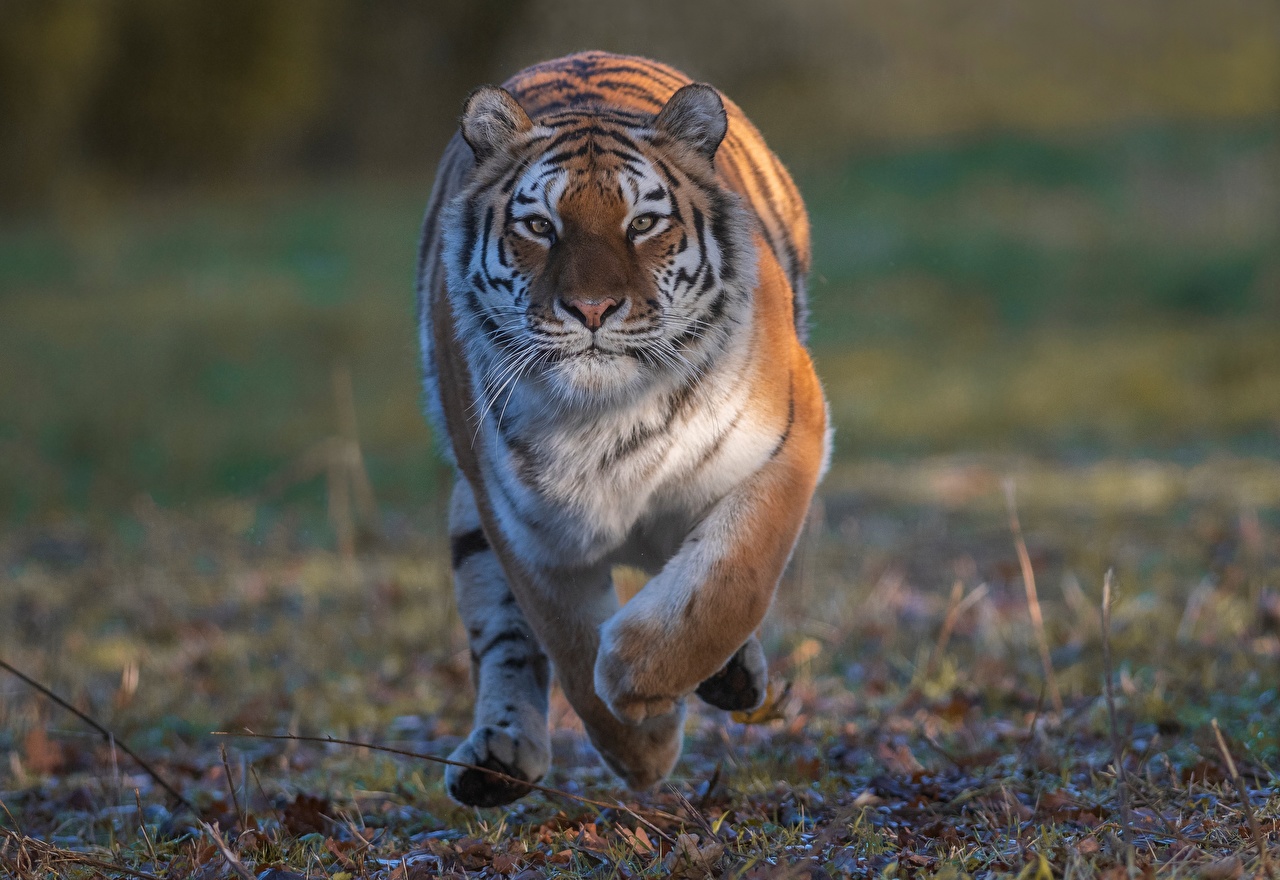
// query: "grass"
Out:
[985,311]
[889,750]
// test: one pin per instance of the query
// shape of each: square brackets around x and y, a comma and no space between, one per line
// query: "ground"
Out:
[912,730]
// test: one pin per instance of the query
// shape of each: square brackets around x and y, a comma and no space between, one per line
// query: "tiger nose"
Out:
[591,312]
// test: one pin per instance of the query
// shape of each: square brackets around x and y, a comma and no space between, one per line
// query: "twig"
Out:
[16,824]
[1031,729]
[1258,840]
[228,856]
[142,826]
[711,786]
[436,759]
[53,853]
[957,605]
[106,734]
[235,801]
[262,791]
[693,811]
[1033,599]
[1116,756]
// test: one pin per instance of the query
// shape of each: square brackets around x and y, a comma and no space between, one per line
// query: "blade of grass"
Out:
[1246,802]
[1033,598]
[1117,756]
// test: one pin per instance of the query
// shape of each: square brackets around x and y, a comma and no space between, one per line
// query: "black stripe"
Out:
[463,547]
[631,444]
[507,635]
[716,445]
[791,420]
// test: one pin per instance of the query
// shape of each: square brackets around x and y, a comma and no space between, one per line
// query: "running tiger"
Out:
[611,308]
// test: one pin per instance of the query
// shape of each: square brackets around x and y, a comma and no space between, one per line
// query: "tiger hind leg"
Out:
[741,684]
[510,671]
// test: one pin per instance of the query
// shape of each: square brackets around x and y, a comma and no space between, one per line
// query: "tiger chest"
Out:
[590,483]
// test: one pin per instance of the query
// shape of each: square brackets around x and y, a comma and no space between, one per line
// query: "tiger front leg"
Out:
[690,622]
[509,669]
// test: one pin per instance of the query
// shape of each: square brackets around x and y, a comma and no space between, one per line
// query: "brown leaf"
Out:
[505,864]
[772,709]
[691,859]
[898,759]
[1205,772]
[589,839]
[474,854]
[638,840]
[338,849]
[43,755]
[809,768]
[1223,869]
[306,815]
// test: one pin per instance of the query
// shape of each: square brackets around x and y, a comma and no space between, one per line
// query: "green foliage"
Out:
[1075,297]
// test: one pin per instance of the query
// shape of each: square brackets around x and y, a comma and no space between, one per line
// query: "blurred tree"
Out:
[51,55]
[148,92]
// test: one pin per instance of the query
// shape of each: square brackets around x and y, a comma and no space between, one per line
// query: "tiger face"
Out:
[597,254]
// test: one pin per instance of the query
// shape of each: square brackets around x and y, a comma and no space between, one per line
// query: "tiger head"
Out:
[594,251]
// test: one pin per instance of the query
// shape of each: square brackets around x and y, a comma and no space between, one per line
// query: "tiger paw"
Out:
[507,751]
[626,681]
[741,685]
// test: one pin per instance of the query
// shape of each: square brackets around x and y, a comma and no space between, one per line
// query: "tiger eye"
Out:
[642,223]
[538,225]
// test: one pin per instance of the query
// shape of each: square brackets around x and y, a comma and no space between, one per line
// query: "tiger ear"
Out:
[492,120]
[695,116]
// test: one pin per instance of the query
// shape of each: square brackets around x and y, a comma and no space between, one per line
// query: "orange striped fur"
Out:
[611,300]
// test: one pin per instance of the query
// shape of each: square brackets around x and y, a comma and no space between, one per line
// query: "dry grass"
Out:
[897,751]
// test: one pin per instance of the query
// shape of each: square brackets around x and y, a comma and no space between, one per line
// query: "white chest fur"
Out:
[573,487]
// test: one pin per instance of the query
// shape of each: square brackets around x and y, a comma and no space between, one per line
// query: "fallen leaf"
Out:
[306,815]
[1223,869]
[691,859]
[772,709]
[43,755]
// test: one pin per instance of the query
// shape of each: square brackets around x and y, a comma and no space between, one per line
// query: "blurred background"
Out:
[1047,248]
[1041,229]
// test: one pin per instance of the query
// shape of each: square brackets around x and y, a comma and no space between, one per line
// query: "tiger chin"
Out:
[611,315]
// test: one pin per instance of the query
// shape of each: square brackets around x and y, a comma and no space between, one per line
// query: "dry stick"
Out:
[958,604]
[235,801]
[1033,600]
[435,759]
[16,824]
[142,826]
[693,811]
[1244,799]
[228,856]
[106,734]
[56,854]
[262,791]
[1121,781]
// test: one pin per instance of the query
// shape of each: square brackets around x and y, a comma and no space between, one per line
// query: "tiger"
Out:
[611,300]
